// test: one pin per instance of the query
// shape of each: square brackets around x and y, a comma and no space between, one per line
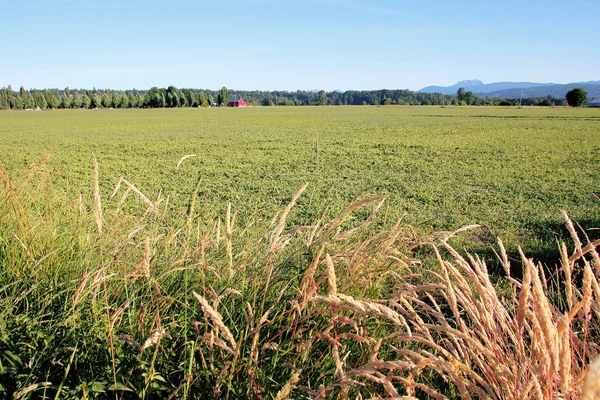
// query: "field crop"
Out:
[129,271]
[509,170]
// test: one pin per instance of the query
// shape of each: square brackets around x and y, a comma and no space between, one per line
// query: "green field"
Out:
[107,291]
[510,170]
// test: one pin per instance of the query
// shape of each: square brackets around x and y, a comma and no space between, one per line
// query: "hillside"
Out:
[513,89]
[592,89]
[477,86]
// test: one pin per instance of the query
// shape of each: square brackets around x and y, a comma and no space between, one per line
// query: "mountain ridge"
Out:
[477,86]
[514,89]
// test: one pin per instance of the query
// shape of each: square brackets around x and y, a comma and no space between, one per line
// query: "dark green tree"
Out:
[460,95]
[11,98]
[223,96]
[546,101]
[469,98]
[172,97]
[322,98]
[577,97]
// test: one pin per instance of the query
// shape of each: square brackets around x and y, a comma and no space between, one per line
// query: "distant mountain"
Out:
[592,88]
[476,86]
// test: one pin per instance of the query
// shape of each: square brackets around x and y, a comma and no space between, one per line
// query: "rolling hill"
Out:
[513,89]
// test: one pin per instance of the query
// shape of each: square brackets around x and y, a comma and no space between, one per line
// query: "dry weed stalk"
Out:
[520,347]
[97,201]
[285,391]
[216,319]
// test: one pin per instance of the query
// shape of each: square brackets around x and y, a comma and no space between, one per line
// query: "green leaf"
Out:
[119,386]
[98,387]
[12,358]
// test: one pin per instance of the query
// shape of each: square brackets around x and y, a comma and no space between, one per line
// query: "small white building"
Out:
[594,103]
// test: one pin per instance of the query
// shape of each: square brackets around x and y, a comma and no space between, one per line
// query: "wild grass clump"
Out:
[98,301]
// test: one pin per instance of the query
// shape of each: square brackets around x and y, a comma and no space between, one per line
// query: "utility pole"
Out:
[521,100]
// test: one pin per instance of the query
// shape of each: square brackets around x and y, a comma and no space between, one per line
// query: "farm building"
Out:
[594,103]
[236,102]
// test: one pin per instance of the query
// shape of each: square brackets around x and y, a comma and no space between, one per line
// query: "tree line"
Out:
[173,97]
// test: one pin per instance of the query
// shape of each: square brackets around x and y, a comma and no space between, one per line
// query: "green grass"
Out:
[509,170]
[107,299]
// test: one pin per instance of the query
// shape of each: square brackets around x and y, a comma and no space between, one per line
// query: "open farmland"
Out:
[509,170]
[152,287]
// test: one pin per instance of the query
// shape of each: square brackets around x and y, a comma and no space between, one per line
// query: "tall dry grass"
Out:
[99,301]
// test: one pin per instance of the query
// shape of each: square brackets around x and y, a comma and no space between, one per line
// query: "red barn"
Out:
[236,102]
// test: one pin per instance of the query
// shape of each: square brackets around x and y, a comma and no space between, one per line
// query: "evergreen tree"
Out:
[223,96]
[77,101]
[172,97]
[202,99]
[20,102]
[29,100]
[132,100]
[66,101]
[147,100]
[11,98]
[192,99]
[96,101]
[22,99]
[86,101]
[55,99]
[4,104]
[123,101]
[116,100]
[183,101]
[47,96]
[106,99]
[41,102]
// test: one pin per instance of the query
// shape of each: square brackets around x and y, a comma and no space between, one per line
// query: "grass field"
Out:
[510,170]
[161,285]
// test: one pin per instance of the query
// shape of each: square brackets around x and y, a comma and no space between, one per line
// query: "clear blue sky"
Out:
[289,45]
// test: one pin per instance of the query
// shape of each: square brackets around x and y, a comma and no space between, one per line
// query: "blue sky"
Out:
[289,45]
